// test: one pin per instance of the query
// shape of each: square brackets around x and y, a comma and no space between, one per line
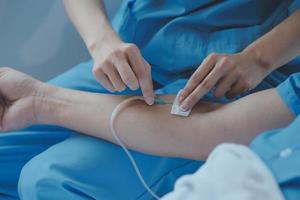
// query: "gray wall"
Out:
[36,37]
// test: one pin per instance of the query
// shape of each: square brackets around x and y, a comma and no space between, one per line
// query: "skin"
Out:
[26,101]
[233,74]
[119,64]
[116,64]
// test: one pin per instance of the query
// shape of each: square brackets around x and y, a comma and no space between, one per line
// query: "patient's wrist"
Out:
[49,105]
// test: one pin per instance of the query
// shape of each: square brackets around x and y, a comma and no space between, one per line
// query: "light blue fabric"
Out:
[62,164]
[174,37]
[289,91]
[280,149]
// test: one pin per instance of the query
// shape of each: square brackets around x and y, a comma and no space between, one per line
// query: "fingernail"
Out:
[184,107]
[121,88]
[149,100]
[134,86]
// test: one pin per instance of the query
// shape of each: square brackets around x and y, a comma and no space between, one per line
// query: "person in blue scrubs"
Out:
[89,113]
[279,148]
[174,37]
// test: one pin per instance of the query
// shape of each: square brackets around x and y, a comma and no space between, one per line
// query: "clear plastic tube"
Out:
[114,114]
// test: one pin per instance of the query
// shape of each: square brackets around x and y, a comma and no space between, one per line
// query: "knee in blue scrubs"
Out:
[83,167]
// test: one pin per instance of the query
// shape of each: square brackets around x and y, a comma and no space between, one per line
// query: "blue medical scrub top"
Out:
[280,148]
[175,36]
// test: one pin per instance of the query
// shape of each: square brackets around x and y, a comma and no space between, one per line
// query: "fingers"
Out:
[205,86]
[125,66]
[127,75]
[225,84]
[115,74]
[104,80]
[116,80]
[239,87]
[143,73]
[147,85]
[202,71]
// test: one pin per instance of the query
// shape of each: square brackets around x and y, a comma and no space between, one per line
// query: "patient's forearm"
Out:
[153,130]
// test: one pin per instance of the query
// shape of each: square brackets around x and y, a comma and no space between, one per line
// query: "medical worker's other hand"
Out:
[228,75]
[118,64]
[18,95]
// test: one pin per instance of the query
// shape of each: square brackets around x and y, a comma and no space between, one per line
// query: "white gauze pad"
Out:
[176,109]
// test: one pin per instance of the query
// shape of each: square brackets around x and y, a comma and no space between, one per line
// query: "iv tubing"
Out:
[113,116]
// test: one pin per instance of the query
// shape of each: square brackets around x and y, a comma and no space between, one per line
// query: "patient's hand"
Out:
[18,94]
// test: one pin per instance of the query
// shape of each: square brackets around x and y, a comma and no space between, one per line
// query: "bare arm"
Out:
[25,101]
[153,130]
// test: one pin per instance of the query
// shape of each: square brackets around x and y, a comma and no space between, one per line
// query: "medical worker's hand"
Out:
[118,65]
[18,95]
[228,75]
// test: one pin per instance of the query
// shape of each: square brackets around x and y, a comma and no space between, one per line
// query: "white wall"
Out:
[37,38]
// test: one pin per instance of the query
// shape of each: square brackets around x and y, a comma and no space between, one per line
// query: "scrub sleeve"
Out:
[280,149]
